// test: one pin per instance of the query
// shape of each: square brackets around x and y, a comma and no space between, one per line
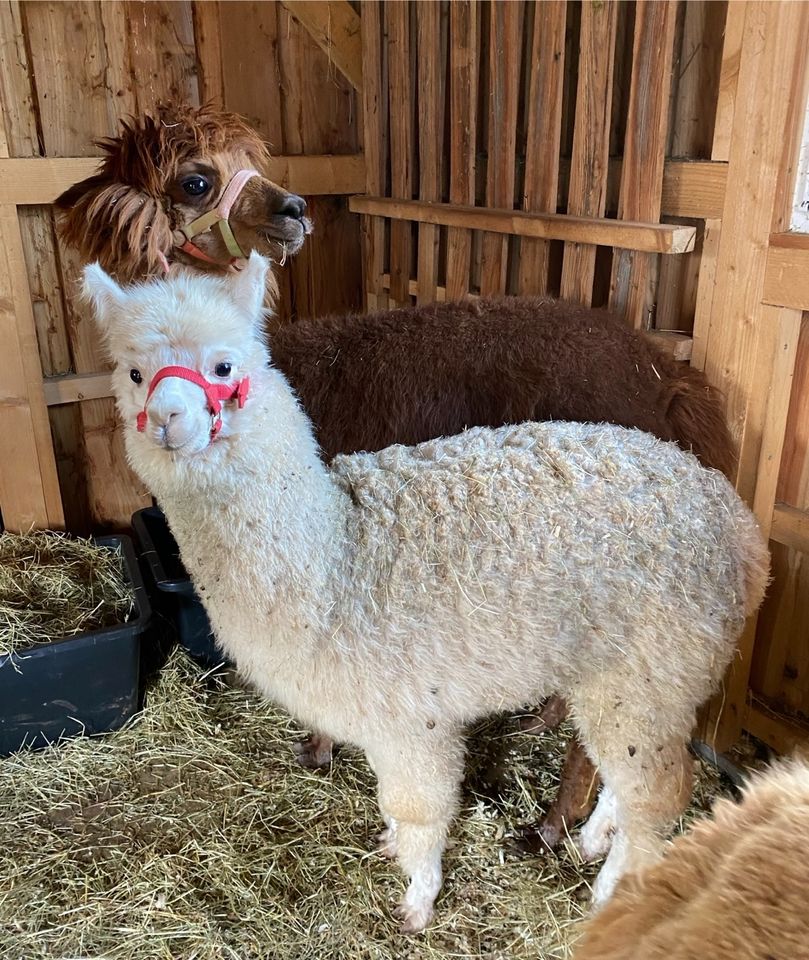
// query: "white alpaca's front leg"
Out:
[419,783]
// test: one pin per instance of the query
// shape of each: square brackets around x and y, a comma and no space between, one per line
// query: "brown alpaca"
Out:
[161,174]
[402,376]
[734,888]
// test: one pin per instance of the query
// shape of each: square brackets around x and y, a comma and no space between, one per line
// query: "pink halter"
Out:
[215,393]
[217,217]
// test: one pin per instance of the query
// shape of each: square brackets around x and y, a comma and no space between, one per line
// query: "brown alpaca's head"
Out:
[164,172]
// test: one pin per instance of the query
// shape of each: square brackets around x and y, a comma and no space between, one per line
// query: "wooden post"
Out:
[739,330]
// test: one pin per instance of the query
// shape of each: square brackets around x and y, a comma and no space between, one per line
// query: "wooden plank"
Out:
[463,52]
[650,237]
[644,153]
[319,114]
[374,107]
[728,80]
[783,734]
[504,75]
[208,43]
[336,29]
[401,144]
[29,483]
[375,129]
[161,60]
[76,387]
[430,138]
[782,369]
[591,138]
[40,181]
[544,135]
[786,277]
[790,527]
[737,337]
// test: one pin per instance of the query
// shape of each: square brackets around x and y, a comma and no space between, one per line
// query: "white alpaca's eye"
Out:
[195,186]
[223,369]
[135,377]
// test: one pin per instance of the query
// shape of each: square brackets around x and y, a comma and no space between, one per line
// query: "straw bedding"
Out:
[192,834]
[54,586]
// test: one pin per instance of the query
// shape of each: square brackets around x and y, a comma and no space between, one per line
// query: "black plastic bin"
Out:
[85,684]
[173,594]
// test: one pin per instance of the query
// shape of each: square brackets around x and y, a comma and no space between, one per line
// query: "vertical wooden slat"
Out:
[694,96]
[504,71]
[317,117]
[208,42]
[463,52]
[723,122]
[29,483]
[644,152]
[431,104]
[397,16]
[737,334]
[788,322]
[543,141]
[587,192]
[374,112]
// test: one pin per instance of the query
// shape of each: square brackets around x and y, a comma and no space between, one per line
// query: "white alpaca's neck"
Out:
[259,521]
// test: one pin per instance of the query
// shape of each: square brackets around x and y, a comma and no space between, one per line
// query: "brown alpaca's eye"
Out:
[223,369]
[195,186]
[135,377]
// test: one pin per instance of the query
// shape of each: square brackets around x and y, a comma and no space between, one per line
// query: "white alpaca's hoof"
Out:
[387,843]
[414,917]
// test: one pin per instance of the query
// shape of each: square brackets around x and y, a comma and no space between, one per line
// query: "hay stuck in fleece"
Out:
[192,833]
[54,586]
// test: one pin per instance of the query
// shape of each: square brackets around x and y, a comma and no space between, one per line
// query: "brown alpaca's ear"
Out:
[126,230]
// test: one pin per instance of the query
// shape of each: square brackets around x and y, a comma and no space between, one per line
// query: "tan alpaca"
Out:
[734,888]
[392,598]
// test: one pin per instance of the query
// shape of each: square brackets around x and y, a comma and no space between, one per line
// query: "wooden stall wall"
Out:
[588,110]
[68,73]
[636,155]
[639,155]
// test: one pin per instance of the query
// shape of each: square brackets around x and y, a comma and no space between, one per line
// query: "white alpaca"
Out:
[392,598]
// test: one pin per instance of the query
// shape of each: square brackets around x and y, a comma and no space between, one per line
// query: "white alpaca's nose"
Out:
[171,427]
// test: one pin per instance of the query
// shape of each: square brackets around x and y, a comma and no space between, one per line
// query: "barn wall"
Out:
[69,72]
[640,155]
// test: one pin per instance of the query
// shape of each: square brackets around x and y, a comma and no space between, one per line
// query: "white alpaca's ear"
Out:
[248,285]
[103,292]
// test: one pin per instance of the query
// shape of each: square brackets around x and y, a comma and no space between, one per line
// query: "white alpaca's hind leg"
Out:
[596,835]
[419,854]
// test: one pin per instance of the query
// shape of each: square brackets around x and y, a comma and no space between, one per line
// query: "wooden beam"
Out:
[790,527]
[650,237]
[78,386]
[786,279]
[34,180]
[336,29]
[781,733]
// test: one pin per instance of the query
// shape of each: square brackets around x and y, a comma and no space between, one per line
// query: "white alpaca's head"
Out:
[211,325]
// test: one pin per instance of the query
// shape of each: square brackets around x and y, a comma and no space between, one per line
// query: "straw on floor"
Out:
[192,834]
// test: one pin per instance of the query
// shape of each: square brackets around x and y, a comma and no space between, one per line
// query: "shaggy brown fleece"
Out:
[125,215]
[735,888]
[408,375]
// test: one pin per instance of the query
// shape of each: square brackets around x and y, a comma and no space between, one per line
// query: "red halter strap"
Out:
[215,393]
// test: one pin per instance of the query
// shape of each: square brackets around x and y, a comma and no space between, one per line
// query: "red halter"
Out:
[215,393]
